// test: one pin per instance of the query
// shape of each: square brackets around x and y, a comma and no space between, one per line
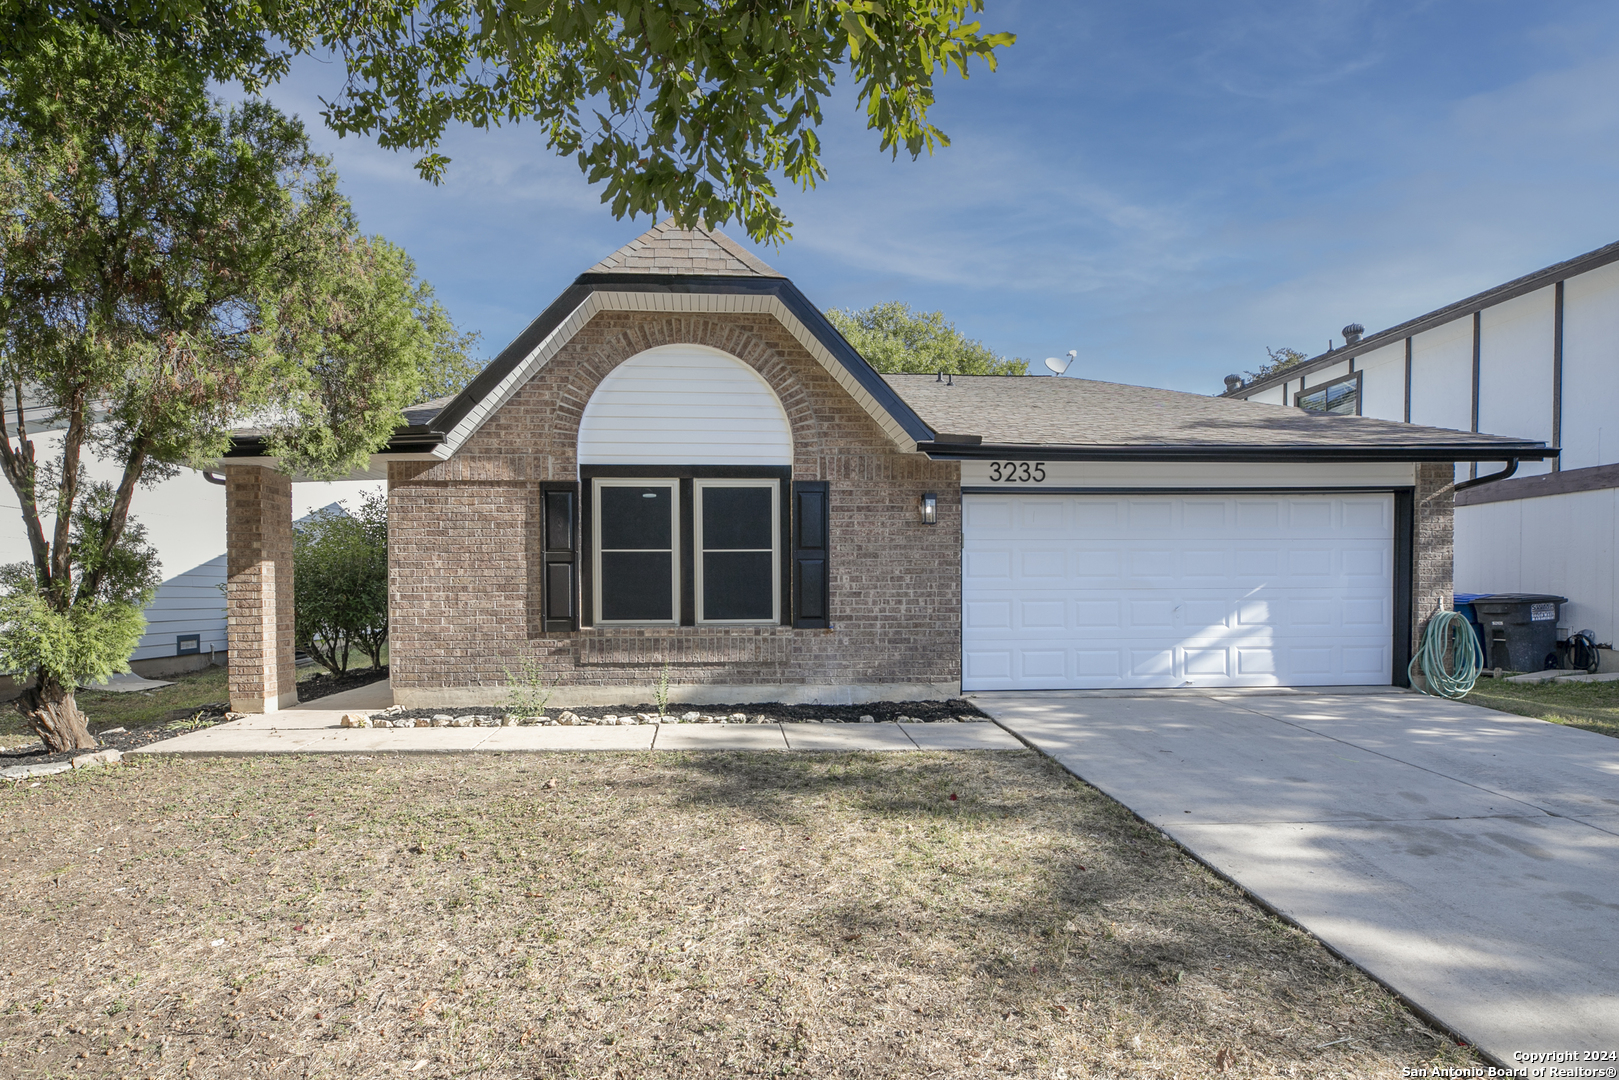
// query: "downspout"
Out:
[1512,467]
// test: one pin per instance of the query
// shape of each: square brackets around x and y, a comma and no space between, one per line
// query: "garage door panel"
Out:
[1305,602]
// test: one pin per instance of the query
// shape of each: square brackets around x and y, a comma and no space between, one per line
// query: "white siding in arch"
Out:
[684,405]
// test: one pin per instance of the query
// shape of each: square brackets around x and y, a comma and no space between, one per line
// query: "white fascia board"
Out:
[684,303]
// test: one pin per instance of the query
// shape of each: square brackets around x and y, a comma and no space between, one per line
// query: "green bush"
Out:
[340,583]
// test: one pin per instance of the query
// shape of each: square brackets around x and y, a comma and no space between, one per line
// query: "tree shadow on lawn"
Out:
[677,914]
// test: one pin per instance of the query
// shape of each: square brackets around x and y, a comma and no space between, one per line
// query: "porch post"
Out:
[258,542]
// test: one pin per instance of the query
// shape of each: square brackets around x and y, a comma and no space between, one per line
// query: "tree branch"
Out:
[18,465]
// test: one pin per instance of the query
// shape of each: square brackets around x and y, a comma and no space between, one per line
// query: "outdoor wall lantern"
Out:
[929,508]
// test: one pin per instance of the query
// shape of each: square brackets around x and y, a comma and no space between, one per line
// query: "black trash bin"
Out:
[1520,630]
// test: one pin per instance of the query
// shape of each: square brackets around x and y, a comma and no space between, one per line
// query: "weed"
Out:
[660,692]
[527,692]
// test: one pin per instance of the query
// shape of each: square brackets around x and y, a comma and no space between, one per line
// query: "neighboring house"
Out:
[185,622]
[184,519]
[681,465]
[1536,358]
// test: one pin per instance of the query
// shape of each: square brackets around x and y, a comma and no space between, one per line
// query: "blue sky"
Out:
[1167,187]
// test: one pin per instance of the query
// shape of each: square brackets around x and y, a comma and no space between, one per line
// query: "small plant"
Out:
[660,692]
[527,691]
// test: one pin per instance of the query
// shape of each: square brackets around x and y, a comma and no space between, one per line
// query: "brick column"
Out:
[258,543]
[1433,581]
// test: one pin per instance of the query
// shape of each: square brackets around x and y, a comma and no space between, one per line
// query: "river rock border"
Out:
[906,712]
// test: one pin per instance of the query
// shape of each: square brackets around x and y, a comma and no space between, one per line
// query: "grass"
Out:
[1592,706]
[648,915]
[184,696]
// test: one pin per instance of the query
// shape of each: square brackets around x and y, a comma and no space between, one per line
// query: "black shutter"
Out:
[812,608]
[559,524]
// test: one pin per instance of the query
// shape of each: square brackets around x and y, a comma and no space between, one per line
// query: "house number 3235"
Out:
[1013,471]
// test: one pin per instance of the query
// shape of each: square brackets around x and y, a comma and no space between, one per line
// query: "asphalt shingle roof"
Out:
[1008,410]
[667,249]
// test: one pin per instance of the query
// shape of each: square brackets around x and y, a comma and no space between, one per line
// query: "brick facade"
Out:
[1432,581]
[464,547]
[258,542]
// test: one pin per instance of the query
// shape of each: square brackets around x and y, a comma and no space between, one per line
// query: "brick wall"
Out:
[258,544]
[464,543]
[1432,581]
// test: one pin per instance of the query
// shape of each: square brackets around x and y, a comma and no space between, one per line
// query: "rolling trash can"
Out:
[1520,630]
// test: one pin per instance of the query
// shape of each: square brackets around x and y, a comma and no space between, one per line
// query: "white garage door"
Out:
[1096,591]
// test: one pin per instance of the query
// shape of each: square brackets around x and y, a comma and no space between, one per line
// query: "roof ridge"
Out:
[666,248]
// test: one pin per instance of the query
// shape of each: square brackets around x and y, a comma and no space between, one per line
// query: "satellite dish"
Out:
[1057,366]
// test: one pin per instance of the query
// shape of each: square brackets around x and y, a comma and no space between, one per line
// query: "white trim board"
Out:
[1191,474]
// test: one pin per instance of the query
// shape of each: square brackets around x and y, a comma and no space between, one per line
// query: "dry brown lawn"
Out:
[646,915]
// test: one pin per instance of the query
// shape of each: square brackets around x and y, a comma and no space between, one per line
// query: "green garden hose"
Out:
[1450,637]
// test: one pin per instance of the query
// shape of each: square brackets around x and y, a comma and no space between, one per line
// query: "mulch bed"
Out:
[927,712]
[113,738]
[324,685]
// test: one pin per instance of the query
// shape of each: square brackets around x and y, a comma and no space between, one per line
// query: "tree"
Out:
[894,339]
[340,583]
[169,268]
[1280,360]
[689,106]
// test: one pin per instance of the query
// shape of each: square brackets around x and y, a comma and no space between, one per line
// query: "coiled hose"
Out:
[1449,637]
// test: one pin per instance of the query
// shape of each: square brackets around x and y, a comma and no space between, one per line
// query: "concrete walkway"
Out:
[304,730]
[1467,858]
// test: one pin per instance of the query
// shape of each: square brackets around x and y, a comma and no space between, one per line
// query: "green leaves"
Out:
[895,339]
[685,107]
[340,583]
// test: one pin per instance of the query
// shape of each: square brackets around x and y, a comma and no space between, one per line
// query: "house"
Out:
[680,465]
[1536,358]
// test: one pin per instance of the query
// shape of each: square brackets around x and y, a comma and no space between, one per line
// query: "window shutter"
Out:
[812,608]
[559,524]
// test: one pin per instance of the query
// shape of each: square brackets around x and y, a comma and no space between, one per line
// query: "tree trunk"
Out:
[54,714]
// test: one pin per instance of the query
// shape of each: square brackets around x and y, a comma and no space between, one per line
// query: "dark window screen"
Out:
[637,557]
[738,585]
[739,580]
[635,586]
[636,518]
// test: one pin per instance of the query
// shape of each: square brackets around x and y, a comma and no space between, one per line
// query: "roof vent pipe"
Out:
[1233,383]
[1352,333]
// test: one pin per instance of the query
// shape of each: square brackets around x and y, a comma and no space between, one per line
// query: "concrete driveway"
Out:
[1467,858]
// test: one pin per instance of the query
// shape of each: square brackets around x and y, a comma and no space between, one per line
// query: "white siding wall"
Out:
[1442,379]
[1382,386]
[1272,396]
[1515,373]
[1591,369]
[1561,544]
[188,603]
[684,405]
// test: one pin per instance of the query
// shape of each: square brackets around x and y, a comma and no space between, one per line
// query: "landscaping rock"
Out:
[24,772]
[566,718]
[869,719]
[352,719]
[691,717]
[100,757]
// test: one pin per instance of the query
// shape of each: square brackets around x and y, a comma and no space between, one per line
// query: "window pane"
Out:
[635,517]
[736,517]
[738,585]
[636,586]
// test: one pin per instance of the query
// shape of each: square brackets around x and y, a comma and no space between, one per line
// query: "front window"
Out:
[1341,397]
[738,565]
[672,551]
[637,551]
